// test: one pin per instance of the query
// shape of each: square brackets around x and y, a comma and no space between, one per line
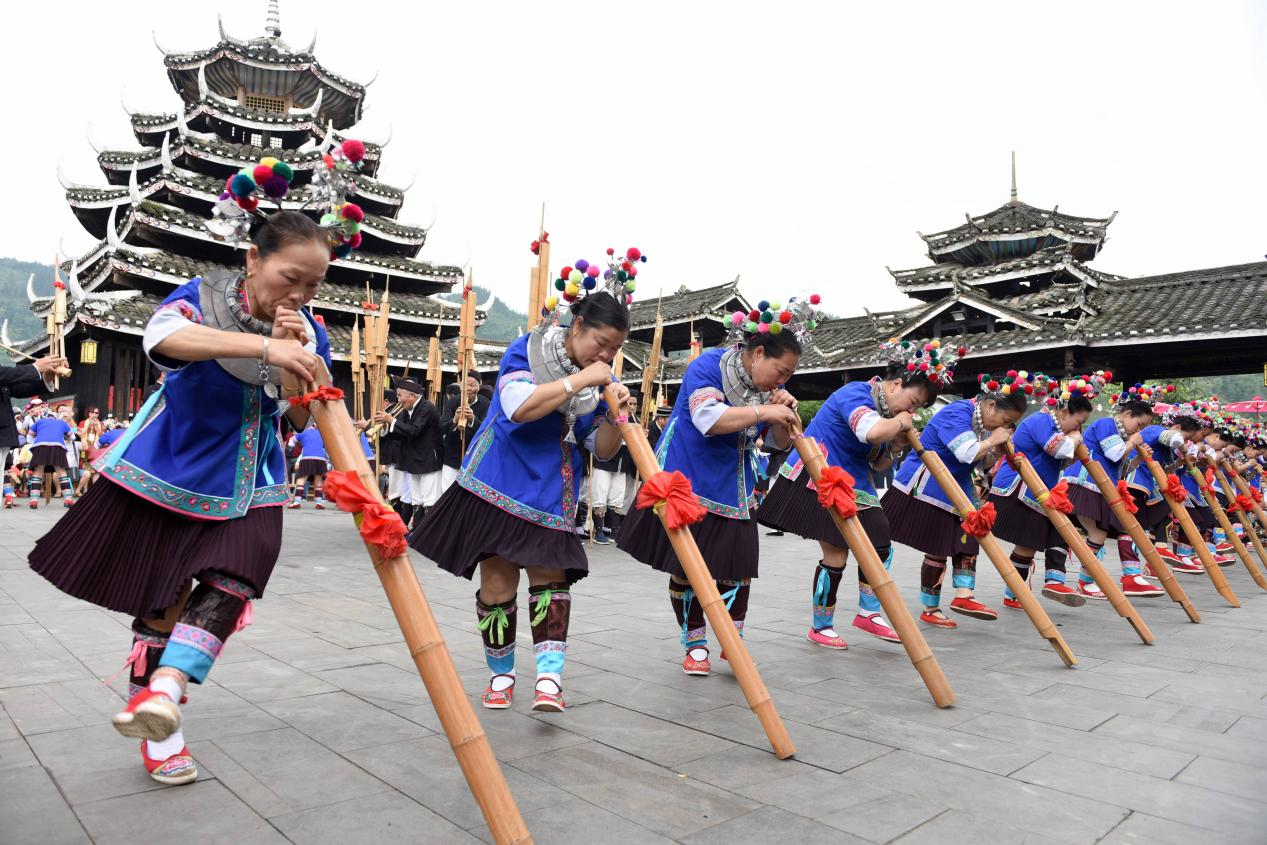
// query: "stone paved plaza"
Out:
[314,726]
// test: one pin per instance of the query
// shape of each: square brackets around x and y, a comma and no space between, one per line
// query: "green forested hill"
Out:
[502,322]
[13,304]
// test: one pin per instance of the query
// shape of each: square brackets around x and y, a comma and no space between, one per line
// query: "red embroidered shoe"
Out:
[149,715]
[696,665]
[498,699]
[320,505]
[1224,560]
[1061,593]
[175,770]
[294,506]
[937,618]
[34,504]
[548,702]
[1014,604]
[828,638]
[1091,591]
[67,502]
[8,502]
[969,606]
[876,626]
[1188,566]
[1224,548]
[1140,587]
[1167,554]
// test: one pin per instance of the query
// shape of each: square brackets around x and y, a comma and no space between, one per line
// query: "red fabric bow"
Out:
[1124,493]
[979,523]
[671,496]
[1257,494]
[321,394]
[835,490]
[1058,497]
[1244,503]
[381,526]
[1174,489]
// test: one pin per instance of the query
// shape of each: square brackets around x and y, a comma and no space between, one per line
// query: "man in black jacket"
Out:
[416,430]
[20,383]
[459,426]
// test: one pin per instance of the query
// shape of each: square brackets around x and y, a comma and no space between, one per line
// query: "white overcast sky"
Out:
[798,145]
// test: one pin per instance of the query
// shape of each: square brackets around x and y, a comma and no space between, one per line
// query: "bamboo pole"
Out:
[433,367]
[466,348]
[426,644]
[1247,519]
[591,501]
[1037,615]
[882,584]
[1112,591]
[705,587]
[61,371]
[1189,529]
[358,372]
[1141,539]
[1220,516]
[539,276]
[649,371]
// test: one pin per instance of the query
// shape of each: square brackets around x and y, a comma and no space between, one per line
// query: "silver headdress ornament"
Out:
[271,179]
[584,279]
[800,317]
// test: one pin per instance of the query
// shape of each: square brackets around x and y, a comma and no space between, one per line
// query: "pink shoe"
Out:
[876,626]
[498,699]
[67,502]
[827,638]
[175,770]
[149,715]
[1188,566]
[969,606]
[693,664]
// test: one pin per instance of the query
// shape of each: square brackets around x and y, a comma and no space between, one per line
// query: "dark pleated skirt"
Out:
[1091,504]
[1203,517]
[48,456]
[1021,525]
[926,527]
[1151,516]
[311,466]
[792,507]
[126,554]
[730,547]
[461,529]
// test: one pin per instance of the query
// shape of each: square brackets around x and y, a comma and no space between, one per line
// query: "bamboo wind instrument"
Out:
[426,643]
[649,371]
[466,348]
[882,584]
[539,276]
[1138,536]
[705,588]
[1228,471]
[1220,516]
[61,371]
[57,328]
[1245,522]
[433,367]
[1037,615]
[1180,512]
[358,372]
[1079,546]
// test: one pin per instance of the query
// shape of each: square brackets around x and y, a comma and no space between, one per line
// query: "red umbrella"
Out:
[1250,406]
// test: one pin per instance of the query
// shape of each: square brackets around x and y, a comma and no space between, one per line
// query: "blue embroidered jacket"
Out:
[1100,436]
[527,469]
[723,468]
[1038,437]
[835,427]
[312,447]
[49,431]
[205,445]
[1138,475]
[948,429]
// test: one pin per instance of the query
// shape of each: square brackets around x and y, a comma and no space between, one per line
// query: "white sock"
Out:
[167,748]
[554,678]
[168,686]
[501,683]
[697,652]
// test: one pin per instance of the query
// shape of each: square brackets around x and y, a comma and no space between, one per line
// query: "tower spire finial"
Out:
[273,20]
[1013,201]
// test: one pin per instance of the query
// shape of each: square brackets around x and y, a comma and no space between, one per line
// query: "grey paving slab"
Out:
[314,725]
[34,811]
[199,812]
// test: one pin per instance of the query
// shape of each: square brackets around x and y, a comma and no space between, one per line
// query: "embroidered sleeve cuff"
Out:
[862,420]
[514,394]
[1172,440]
[965,447]
[167,320]
[707,405]
[1059,446]
[1113,447]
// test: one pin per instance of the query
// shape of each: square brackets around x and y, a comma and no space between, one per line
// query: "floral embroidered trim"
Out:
[704,396]
[197,639]
[514,376]
[550,645]
[184,308]
[861,413]
[499,652]
[512,507]
[963,438]
[1053,444]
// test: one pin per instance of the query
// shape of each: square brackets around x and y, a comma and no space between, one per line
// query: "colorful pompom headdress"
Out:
[582,279]
[1087,386]
[1022,381]
[1148,394]
[799,316]
[271,178]
[1197,412]
[932,359]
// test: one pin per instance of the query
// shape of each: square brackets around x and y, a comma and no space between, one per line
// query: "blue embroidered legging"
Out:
[497,629]
[827,582]
[933,571]
[1055,559]
[217,607]
[551,609]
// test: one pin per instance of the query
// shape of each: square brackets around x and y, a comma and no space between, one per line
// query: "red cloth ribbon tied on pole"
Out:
[1058,497]
[980,522]
[381,526]
[1124,493]
[835,490]
[1243,503]
[669,494]
[1174,489]
[321,394]
[1257,494]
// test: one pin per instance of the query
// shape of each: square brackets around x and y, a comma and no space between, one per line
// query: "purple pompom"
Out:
[582,265]
[275,187]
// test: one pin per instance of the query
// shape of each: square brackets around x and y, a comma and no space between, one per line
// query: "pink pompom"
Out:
[353,150]
[592,271]
[737,318]
[910,368]
[352,211]
[262,173]
[762,328]
[355,241]
[814,299]
[633,254]
[611,251]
